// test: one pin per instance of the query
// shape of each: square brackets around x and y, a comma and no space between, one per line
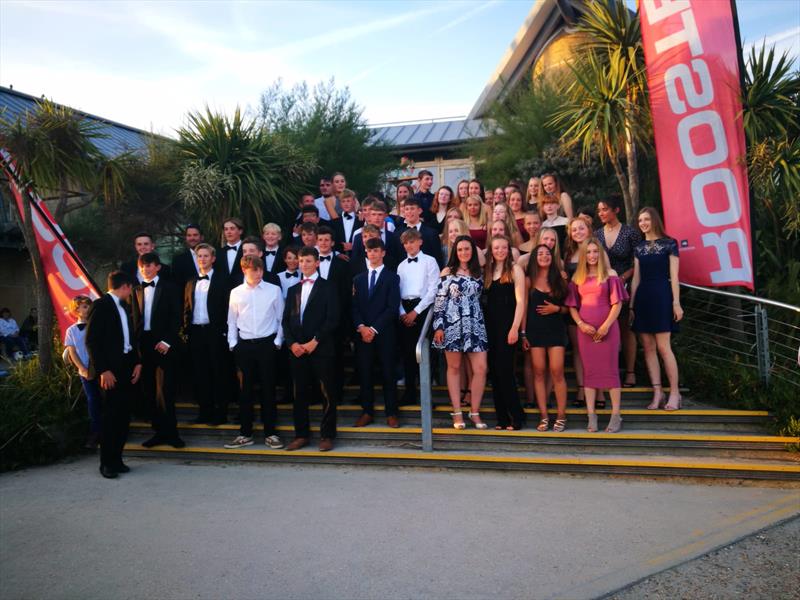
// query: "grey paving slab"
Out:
[173,530]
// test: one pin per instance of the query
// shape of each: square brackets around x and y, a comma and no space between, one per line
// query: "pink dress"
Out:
[593,301]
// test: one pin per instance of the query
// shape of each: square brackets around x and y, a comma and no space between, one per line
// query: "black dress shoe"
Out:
[108,472]
[153,441]
[176,442]
[122,468]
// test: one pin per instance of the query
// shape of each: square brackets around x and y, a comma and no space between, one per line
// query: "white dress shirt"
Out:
[415,226]
[255,312]
[147,299]
[230,255]
[200,309]
[287,282]
[325,265]
[126,334]
[348,225]
[418,279]
[269,259]
[305,292]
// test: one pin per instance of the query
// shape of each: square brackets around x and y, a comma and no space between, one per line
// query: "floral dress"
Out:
[457,312]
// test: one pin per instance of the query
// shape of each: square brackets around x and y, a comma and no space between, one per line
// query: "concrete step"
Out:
[617,464]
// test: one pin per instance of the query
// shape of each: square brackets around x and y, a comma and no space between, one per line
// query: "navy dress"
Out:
[653,303]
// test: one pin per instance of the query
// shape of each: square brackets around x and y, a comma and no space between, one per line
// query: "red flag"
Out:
[66,275]
[693,75]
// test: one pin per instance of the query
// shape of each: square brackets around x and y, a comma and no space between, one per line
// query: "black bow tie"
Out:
[323,258]
[415,259]
[290,275]
[234,248]
[81,326]
[270,252]
[347,216]
[148,284]
[203,277]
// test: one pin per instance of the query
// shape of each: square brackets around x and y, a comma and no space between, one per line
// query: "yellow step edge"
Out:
[445,457]
[682,437]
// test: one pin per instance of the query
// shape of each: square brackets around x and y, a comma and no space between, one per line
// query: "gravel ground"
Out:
[763,565]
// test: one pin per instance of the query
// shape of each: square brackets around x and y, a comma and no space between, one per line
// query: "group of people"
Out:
[284,308]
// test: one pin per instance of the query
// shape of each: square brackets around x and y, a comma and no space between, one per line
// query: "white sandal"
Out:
[456,424]
[478,424]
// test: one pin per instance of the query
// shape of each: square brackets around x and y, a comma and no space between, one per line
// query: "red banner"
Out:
[693,76]
[66,275]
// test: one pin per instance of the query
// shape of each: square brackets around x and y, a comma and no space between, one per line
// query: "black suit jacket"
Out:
[131,268]
[104,338]
[320,319]
[339,235]
[232,277]
[216,303]
[380,310]
[394,251]
[431,244]
[277,265]
[183,268]
[166,314]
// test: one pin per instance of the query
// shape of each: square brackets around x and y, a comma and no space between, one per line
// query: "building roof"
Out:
[545,20]
[118,138]
[429,135]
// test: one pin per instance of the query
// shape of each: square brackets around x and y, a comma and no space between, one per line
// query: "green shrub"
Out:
[44,417]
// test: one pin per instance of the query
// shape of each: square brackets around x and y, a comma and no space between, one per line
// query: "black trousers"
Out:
[313,374]
[116,415]
[504,385]
[256,360]
[208,349]
[158,385]
[382,347]
[408,348]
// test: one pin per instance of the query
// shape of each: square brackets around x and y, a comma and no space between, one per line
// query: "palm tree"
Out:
[606,103]
[53,149]
[234,166]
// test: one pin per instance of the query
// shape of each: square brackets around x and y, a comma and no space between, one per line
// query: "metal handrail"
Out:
[755,299]
[425,397]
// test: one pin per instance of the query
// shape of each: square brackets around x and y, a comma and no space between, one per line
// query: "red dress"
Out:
[521,227]
[593,301]
[479,237]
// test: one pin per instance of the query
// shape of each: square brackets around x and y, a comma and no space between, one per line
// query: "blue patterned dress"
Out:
[457,311]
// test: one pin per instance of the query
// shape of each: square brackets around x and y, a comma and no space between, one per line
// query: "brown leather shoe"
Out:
[363,420]
[297,443]
[393,422]
[325,445]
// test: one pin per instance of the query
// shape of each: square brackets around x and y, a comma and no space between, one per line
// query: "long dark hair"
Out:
[474,265]
[556,283]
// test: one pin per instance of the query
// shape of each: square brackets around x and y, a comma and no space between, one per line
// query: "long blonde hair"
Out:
[582,272]
[462,230]
[556,248]
[482,216]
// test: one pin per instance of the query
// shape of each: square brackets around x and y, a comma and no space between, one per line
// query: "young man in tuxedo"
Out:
[230,254]
[335,268]
[310,325]
[273,251]
[255,332]
[359,265]
[424,194]
[431,244]
[205,318]
[419,279]
[157,317]
[253,246]
[114,359]
[394,251]
[184,265]
[143,243]
[344,229]
[376,302]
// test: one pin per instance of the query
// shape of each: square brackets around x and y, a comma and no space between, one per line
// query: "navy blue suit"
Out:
[380,311]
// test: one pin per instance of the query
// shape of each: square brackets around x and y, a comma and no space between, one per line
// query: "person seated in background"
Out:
[75,343]
[9,334]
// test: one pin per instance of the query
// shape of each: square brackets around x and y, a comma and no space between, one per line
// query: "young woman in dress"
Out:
[549,212]
[552,186]
[501,212]
[500,228]
[477,218]
[475,188]
[462,192]
[443,200]
[459,328]
[656,304]
[532,223]
[498,197]
[579,232]
[546,333]
[517,209]
[533,192]
[504,292]
[619,241]
[595,298]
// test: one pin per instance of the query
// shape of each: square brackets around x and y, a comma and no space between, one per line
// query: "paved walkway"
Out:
[171,530]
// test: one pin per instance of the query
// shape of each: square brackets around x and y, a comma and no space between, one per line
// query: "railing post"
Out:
[762,343]
[426,401]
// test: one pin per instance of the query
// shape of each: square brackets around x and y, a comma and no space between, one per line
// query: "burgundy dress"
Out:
[479,237]
[593,301]
[521,227]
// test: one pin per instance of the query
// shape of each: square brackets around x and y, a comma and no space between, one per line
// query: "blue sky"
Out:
[147,63]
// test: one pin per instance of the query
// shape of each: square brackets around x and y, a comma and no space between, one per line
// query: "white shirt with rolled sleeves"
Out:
[255,312]
[418,279]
